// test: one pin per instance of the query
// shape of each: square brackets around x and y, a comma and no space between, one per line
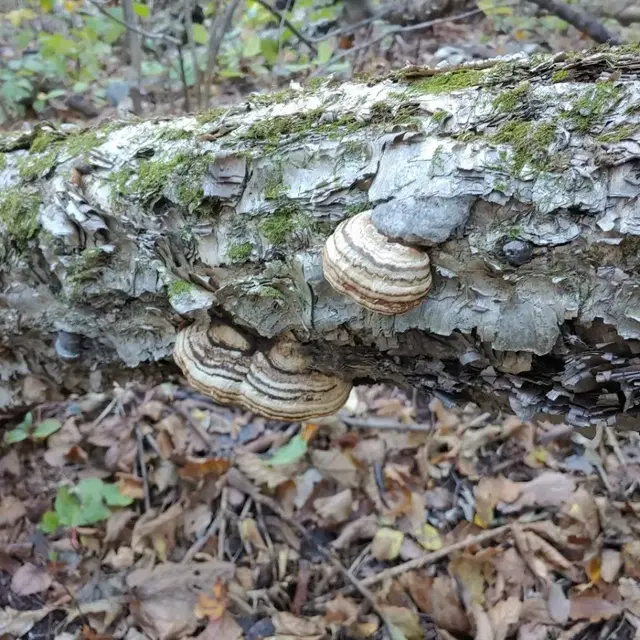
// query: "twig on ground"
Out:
[613,443]
[105,412]
[143,469]
[289,25]
[376,423]
[223,523]
[199,544]
[302,587]
[195,427]
[434,556]
[579,19]
[361,556]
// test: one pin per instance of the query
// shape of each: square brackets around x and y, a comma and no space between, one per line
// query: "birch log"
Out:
[519,177]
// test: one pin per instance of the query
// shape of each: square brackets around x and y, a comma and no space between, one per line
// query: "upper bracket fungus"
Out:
[280,384]
[379,274]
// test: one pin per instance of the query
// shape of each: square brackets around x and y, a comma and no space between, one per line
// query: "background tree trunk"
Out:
[519,177]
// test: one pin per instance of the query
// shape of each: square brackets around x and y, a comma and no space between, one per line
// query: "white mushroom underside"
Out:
[379,274]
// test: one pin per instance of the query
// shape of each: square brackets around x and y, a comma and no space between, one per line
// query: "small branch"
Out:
[131,27]
[393,32]
[143,469]
[434,556]
[218,30]
[376,423]
[188,21]
[199,544]
[223,523]
[346,30]
[135,53]
[289,25]
[579,19]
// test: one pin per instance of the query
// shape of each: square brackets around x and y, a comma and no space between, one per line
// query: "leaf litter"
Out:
[154,513]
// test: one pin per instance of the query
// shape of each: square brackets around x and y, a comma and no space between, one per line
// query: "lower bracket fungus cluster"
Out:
[277,383]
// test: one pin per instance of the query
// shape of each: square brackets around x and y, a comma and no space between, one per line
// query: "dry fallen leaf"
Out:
[610,564]
[593,608]
[213,607]
[130,486]
[224,628]
[361,529]
[337,466]
[255,469]
[631,559]
[490,491]
[165,597]
[286,624]
[341,611]
[482,623]
[29,579]
[630,591]
[549,489]
[387,544]
[505,617]
[123,558]
[404,619]
[14,624]
[196,468]
[11,510]
[438,598]
[558,604]
[336,508]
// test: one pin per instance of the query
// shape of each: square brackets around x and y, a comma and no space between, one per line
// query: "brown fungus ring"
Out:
[379,274]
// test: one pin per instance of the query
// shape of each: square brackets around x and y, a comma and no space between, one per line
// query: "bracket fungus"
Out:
[215,358]
[379,274]
[279,383]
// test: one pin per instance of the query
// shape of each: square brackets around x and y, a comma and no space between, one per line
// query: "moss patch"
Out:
[184,171]
[560,76]
[19,214]
[593,105]
[210,115]
[3,161]
[618,133]
[357,207]
[440,115]
[512,99]
[448,82]
[530,143]
[279,226]
[80,143]
[240,252]
[88,266]
[37,165]
[180,287]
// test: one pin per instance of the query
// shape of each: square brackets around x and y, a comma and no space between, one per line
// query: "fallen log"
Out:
[517,177]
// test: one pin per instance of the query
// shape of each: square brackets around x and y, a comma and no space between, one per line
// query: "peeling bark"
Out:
[519,176]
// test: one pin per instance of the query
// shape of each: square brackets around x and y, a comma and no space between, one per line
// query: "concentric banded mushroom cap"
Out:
[215,359]
[280,386]
[380,275]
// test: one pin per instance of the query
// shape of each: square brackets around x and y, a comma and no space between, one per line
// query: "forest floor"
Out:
[154,513]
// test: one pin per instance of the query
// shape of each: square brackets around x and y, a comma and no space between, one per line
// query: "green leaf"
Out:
[89,489]
[270,50]
[49,522]
[92,511]
[27,421]
[67,507]
[15,435]
[291,452]
[113,497]
[200,34]
[46,428]
[489,7]
[325,51]
[251,47]
[141,9]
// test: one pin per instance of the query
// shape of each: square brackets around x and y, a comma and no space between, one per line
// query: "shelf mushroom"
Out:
[215,358]
[279,384]
[379,274]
